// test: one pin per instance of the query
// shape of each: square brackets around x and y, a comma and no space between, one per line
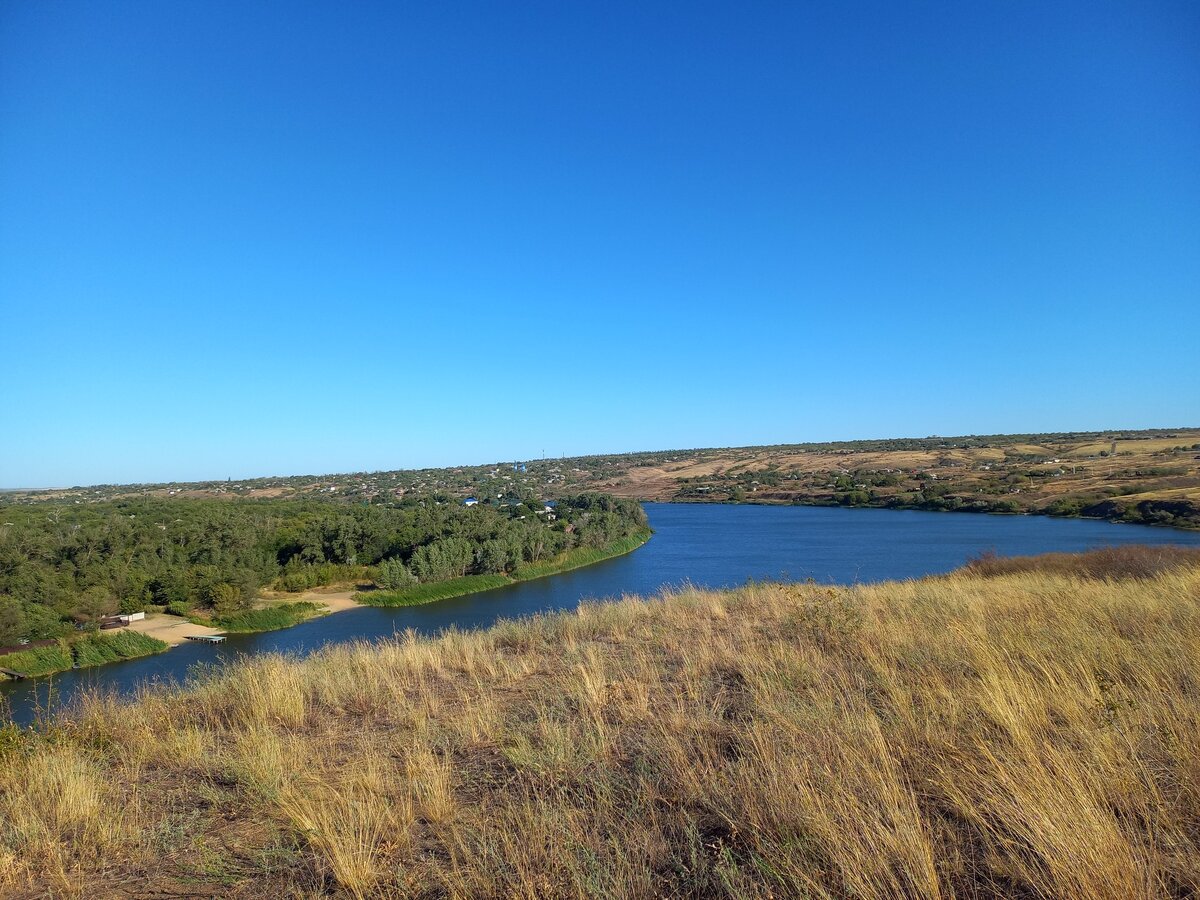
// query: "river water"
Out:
[708,545]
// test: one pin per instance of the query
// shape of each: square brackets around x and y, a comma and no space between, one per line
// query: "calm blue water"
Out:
[710,545]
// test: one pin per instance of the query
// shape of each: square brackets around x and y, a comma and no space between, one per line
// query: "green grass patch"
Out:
[582,556]
[39,660]
[270,618]
[98,649]
[93,649]
[434,590]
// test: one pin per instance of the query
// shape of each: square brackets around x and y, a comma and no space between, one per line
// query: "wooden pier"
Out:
[206,638]
[11,674]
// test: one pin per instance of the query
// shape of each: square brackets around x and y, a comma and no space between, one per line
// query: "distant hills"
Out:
[1145,476]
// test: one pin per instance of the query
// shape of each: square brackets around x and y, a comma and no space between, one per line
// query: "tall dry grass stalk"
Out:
[1017,730]
[354,825]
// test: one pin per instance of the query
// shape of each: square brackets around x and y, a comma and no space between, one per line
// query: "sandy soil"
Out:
[336,598]
[335,601]
[172,629]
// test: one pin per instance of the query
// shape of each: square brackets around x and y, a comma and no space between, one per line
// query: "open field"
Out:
[1142,477]
[1014,729]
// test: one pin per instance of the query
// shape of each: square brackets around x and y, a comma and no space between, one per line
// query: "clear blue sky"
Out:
[244,239]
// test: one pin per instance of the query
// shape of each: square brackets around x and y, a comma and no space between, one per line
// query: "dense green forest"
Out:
[65,564]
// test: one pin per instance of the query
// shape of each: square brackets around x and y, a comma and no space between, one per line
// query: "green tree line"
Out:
[73,563]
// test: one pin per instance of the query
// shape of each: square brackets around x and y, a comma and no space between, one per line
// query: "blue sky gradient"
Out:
[275,238]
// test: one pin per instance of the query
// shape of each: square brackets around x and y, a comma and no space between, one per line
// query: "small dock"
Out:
[207,638]
[11,674]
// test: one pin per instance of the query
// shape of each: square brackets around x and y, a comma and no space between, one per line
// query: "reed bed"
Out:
[1032,734]
[92,649]
[268,618]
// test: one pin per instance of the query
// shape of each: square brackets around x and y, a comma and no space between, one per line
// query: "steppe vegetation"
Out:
[1010,730]
[1149,476]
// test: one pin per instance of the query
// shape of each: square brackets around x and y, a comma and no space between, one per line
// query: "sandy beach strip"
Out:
[176,629]
[172,629]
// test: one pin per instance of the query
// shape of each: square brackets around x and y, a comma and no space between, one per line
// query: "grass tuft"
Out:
[97,649]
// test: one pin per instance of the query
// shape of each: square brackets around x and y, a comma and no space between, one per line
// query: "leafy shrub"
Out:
[1131,561]
[393,574]
[1066,506]
[133,605]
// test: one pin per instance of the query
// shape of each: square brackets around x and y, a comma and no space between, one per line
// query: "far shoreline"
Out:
[1040,514]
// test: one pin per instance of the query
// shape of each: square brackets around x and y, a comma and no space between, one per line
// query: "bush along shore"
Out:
[89,650]
[472,584]
[1014,729]
[267,618]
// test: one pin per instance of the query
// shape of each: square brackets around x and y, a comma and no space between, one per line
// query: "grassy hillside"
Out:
[1144,477]
[1150,476]
[1030,730]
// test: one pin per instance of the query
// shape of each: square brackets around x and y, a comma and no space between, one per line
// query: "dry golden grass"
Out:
[1029,734]
[1143,468]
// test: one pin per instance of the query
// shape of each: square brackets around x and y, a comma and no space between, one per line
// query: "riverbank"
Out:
[171,630]
[266,617]
[1184,517]
[1150,478]
[159,632]
[578,558]
[274,615]
[1027,732]
[82,652]
[165,631]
